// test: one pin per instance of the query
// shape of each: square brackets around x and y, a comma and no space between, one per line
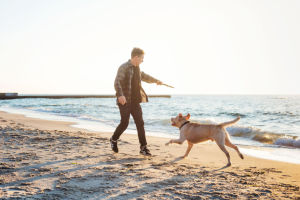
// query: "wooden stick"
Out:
[167,85]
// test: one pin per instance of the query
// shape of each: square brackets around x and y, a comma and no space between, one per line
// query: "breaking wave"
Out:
[264,136]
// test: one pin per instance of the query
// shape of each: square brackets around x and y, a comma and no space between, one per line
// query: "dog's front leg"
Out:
[190,145]
[178,141]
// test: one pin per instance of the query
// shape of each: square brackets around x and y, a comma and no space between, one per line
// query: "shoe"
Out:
[145,151]
[114,145]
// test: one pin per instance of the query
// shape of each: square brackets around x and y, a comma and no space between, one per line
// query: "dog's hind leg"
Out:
[220,142]
[190,145]
[229,144]
[226,153]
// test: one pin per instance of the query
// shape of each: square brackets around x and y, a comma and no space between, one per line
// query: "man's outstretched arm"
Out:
[149,79]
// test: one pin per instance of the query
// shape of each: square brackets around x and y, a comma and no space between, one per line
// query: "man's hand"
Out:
[159,83]
[122,100]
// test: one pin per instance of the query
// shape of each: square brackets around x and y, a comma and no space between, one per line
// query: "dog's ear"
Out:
[188,116]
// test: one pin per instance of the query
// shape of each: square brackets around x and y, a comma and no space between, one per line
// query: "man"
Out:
[130,94]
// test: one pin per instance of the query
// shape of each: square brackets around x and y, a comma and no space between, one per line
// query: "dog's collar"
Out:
[184,124]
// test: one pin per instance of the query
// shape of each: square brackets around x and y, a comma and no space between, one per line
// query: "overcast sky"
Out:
[199,47]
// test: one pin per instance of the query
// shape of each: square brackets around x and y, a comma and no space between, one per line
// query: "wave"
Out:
[278,113]
[264,136]
[162,122]
[266,113]
[233,114]
[288,142]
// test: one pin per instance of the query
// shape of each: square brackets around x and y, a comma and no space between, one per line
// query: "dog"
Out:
[195,133]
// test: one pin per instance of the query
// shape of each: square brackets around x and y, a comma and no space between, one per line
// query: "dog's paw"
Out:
[241,155]
[170,142]
[228,165]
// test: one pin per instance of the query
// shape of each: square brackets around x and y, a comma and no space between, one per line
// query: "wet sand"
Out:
[42,159]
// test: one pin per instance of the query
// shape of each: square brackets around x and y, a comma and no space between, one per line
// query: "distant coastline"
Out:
[6,96]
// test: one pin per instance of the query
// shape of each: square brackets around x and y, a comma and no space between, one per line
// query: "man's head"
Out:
[137,56]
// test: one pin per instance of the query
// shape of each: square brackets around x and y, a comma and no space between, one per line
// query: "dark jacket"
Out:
[123,82]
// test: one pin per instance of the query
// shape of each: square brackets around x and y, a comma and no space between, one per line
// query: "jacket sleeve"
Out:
[148,79]
[118,81]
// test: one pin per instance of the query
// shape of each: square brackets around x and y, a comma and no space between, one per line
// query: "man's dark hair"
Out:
[136,52]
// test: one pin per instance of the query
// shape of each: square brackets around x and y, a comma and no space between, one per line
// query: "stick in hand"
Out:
[167,85]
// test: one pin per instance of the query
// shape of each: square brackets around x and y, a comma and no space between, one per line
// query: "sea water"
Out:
[269,126]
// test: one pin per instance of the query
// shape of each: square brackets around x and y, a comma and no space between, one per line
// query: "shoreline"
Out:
[52,159]
[282,154]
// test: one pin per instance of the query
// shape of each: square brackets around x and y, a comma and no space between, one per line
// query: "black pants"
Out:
[136,111]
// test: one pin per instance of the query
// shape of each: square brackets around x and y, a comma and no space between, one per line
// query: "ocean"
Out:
[269,126]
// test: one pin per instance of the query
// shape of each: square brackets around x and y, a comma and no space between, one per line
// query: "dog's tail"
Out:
[229,123]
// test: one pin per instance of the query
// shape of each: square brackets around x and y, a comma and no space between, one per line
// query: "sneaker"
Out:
[145,151]
[114,145]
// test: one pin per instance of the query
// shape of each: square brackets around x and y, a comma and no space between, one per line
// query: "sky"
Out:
[197,46]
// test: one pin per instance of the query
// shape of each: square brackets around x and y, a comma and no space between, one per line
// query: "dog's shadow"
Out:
[214,170]
[177,159]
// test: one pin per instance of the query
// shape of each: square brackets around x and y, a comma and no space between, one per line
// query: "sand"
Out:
[42,159]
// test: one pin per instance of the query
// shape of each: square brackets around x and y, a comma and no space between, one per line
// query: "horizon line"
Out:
[110,94]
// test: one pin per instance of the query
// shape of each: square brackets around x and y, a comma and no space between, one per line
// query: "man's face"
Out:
[139,59]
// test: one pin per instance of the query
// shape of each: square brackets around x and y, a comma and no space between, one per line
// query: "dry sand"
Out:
[42,159]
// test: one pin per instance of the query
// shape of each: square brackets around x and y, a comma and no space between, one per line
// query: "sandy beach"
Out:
[51,160]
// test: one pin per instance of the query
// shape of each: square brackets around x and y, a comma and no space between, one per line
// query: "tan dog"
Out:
[195,133]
